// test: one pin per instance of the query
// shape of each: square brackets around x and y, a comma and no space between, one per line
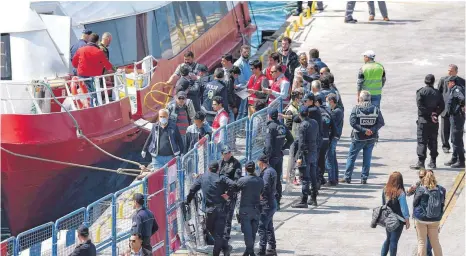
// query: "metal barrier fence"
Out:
[64,235]
[33,240]
[257,129]
[109,218]
[7,246]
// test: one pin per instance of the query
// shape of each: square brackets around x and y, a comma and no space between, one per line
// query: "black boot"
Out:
[261,251]
[432,164]
[458,164]
[418,165]
[313,200]
[271,251]
[302,203]
[227,250]
[451,162]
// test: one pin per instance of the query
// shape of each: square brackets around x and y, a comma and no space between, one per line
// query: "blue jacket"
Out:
[421,200]
[277,138]
[366,117]
[251,188]
[175,141]
[194,134]
[144,223]
[337,116]
[319,63]
[269,175]
[246,71]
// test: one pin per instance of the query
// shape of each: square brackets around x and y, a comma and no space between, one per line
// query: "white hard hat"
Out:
[369,54]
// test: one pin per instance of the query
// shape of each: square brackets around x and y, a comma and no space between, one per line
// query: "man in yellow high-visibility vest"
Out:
[371,78]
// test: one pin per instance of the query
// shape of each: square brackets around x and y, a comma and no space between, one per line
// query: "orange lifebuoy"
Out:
[80,88]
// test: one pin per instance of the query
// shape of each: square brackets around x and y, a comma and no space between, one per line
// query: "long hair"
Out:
[394,186]
[429,180]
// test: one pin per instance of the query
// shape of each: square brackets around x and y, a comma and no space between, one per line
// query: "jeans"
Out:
[231,116]
[159,161]
[249,224]
[349,10]
[322,157]
[277,164]
[266,230]
[382,8]
[331,163]
[91,89]
[391,243]
[376,100]
[242,110]
[367,146]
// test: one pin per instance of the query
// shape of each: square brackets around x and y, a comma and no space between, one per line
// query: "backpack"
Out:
[435,203]
[385,217]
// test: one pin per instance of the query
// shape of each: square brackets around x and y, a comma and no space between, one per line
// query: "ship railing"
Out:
[144,79]
[109,218]
[41,94]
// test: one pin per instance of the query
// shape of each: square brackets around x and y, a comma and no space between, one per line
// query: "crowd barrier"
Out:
[109,218]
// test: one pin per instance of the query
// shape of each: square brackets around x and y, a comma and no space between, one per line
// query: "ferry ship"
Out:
[35,43]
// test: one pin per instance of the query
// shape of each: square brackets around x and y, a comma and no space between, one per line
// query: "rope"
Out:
[81,135]
[119,171]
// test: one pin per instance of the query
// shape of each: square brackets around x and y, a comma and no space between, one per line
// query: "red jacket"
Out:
[90,60]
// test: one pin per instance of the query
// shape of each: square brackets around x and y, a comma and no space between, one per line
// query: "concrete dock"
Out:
[421,38]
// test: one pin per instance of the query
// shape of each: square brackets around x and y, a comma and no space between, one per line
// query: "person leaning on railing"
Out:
[89,62]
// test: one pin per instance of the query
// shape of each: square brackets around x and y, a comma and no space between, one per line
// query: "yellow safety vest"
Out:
[373,73]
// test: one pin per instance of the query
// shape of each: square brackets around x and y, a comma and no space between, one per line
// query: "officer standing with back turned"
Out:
[276,135]
[214,187]
[430,105]
[251,187]
[455,109]
[144,222]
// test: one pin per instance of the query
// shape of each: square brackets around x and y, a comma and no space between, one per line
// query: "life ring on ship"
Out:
[79,88]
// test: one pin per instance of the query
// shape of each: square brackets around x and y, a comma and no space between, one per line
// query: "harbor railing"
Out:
[110,218]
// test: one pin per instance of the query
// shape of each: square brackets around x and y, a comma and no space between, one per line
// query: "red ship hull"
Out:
[35,192]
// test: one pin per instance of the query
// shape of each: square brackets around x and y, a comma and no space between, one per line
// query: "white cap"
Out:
[369,54]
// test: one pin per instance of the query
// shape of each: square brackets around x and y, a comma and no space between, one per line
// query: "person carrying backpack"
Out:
[429,201]
[394,196]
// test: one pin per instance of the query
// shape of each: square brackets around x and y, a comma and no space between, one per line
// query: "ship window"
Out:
[5,57]
[123,49]
[158,34]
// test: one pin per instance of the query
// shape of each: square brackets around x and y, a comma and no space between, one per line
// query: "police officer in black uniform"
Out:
[430,105]
[214,187]
[455,108]
[277,138]
[214,88]
[86,247]
[306,156]
[144,222]
[269,207]
[230,167]
[328,133]
[251,187]
[314,113]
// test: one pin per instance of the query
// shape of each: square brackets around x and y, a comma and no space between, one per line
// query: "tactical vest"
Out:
[373,73]
[367,120]
[211,90]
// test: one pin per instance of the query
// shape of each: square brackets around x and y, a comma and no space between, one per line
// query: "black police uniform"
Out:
[251,187]
[85,249]
[213,186]
[212,89]
[328,133]
[307,152]
[144,223]
[232,169]
[455,108]
[429,100]
[276,135]
[269,207]
[445,123]
[200,84]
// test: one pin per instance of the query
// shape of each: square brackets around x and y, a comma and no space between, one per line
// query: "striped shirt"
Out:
[182,121]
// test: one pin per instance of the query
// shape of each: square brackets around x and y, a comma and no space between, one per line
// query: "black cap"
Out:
[264,159]
[181,94]
[430,79]
[319,98]
[184,69]
[83,231]
[226,149]
[304,111]
[451,78]
[213,167]
[139,198]
[202,68]
[87,31]
[273,113]
[250,166]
